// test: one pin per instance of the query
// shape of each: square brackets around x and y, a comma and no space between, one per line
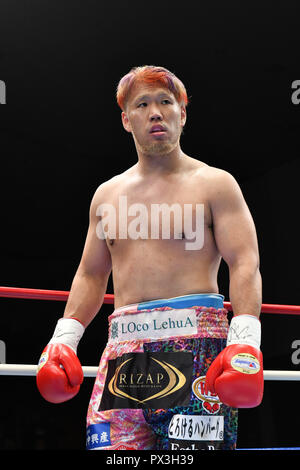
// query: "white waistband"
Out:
[153,325]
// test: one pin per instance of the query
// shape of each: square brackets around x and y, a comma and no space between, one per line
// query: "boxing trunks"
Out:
[149,389]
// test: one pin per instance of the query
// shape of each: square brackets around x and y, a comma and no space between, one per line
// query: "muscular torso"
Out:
[150,268]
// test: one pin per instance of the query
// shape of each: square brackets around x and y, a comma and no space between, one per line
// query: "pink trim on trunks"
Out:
[128,426]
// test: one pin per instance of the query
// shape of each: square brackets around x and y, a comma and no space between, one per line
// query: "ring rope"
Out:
[90,371]
[42,294]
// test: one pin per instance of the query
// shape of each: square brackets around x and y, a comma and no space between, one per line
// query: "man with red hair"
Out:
[173,372]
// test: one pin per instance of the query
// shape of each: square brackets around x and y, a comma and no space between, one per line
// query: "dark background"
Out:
[61,136]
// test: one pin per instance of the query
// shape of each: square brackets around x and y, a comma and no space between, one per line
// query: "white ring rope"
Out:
[26,369]
[89,371]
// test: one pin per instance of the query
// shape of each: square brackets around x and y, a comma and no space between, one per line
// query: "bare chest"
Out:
[176,210]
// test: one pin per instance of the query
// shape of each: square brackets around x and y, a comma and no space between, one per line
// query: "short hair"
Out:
[150,74]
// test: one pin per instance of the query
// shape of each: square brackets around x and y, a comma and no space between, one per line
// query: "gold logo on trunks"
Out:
[124,383]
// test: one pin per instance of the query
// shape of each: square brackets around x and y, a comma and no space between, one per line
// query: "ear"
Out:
[183,116]
[125,121]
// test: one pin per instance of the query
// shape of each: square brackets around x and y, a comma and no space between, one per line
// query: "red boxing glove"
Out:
[59,373]
[236,375]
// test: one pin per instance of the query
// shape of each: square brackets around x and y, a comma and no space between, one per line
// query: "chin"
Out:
[158,148]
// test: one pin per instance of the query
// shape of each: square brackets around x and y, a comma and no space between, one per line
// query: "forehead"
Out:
[140,90]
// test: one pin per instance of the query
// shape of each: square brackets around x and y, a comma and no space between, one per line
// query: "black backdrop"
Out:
[61,136]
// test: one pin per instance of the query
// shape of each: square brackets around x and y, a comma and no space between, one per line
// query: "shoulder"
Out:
[105,189]
[217,175]
[211,174]
[221,187]
[220,181]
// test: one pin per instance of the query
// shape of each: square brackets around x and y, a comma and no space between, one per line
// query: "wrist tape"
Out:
[68,331]
[244,329]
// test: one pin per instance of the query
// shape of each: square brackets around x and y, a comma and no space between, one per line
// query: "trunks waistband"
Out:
[183,301]
[191,315]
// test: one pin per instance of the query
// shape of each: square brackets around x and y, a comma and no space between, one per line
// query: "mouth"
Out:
[157,130]
[158,133]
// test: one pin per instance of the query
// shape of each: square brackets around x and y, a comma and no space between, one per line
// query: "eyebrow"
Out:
[144,97]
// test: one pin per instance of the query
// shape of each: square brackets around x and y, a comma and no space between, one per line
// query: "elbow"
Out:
[249,265]
[99,276]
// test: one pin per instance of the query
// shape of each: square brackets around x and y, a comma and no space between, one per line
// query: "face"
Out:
[155,119]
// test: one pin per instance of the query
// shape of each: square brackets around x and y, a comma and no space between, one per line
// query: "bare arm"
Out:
[90,281]
[236,239]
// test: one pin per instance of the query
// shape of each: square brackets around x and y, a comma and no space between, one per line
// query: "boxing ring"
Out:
[90,371]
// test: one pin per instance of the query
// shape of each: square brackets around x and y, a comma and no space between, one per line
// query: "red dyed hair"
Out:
[152,75]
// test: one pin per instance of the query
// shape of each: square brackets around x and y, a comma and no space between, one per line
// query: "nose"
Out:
[155,114]
[155,117]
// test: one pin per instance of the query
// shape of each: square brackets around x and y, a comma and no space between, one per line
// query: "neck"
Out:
[160,163]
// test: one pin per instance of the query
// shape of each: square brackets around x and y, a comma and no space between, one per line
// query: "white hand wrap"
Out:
[68,331]
[244,329]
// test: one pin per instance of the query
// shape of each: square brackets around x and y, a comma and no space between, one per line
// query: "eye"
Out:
[141,105]
[168,101]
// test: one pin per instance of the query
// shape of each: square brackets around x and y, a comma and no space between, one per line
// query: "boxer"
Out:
[169,329]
